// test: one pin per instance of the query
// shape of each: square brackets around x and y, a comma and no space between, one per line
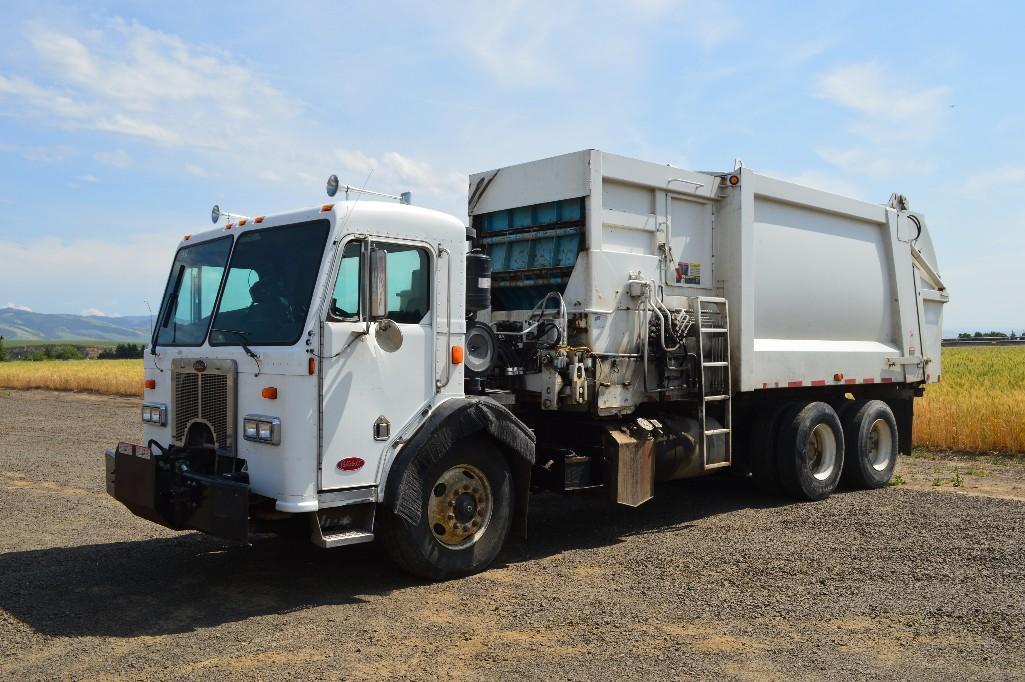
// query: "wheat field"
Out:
[115,377]
[978,407]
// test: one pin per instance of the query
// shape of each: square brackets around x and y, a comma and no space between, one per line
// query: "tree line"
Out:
[122,351]
[990,335]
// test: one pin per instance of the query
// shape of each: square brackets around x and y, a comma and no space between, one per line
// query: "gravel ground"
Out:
[708,580]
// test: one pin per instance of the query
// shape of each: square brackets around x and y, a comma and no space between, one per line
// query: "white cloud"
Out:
[15,306]
[132,81]
[115,274]
[94,312]
[874,162]
[197,170]
[118,158]
[981,185]
[88,178]
[824,182]
[891,110]
[526,44]
[893,121]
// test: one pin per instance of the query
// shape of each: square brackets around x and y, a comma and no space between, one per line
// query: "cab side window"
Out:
[409,282]
[345,302]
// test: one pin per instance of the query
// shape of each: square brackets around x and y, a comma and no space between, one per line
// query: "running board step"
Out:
[340,526]
[349,537]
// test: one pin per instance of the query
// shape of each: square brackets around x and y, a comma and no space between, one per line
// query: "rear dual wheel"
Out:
[798,449]
[870,431]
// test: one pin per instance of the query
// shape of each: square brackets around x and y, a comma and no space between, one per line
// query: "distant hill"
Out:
[27,326]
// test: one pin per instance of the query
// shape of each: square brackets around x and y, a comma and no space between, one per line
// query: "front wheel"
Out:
[466,507]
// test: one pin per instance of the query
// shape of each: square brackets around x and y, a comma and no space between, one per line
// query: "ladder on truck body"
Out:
[713,335]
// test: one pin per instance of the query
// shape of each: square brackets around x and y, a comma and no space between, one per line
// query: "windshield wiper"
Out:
[245,338]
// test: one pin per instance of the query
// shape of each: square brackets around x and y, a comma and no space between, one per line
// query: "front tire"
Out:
[810,451]
[466,509]
[870,431]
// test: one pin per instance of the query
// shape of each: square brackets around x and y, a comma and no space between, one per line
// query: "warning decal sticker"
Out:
[688,273]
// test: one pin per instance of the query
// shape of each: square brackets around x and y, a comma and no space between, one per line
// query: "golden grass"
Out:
[979,406]
[116,377]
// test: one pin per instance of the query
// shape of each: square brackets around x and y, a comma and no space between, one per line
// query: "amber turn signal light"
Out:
[270,393]
[150,383]
[457,355]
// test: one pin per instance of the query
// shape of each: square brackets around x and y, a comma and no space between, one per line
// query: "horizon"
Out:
[139,118]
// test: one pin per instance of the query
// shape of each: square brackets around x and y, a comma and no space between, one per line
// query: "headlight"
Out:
[154,413]
[261,429]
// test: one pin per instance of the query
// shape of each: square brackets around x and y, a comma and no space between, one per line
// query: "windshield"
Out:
[191,292]
[269,285]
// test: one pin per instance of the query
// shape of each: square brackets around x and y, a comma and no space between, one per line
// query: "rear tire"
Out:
[810,451]
[870,431]
[762,449]
[465,513]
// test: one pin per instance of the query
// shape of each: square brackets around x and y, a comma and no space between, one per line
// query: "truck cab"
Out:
[293,356]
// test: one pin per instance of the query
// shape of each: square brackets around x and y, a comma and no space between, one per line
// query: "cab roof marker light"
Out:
[258,219]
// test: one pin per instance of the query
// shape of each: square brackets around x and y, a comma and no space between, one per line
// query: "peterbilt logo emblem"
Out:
[199,366]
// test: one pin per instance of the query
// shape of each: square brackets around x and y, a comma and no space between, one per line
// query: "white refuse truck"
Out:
[370,369]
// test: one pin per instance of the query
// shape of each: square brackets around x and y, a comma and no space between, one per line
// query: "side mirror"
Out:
[378,283]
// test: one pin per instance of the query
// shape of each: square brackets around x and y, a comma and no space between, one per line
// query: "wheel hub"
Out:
[880,445]
[821,452]
[459,506]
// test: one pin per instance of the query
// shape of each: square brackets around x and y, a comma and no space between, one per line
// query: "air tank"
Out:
[478,281]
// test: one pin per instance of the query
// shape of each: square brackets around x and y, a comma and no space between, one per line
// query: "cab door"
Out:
[377,374]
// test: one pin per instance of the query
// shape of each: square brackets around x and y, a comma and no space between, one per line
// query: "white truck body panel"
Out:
[821,288]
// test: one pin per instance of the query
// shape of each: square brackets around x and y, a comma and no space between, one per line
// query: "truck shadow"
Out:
[188,582]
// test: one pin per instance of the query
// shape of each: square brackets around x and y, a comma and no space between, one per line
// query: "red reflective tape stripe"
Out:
[850,381]
[818,382]
[887,380]
[795,384]
[868,380]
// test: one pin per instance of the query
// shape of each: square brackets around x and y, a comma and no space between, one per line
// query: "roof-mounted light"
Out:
[216,214]
[333,186]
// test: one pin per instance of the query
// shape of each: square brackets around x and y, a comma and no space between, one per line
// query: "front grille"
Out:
[206,397]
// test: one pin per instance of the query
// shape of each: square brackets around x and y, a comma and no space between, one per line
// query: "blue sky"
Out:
[122,123]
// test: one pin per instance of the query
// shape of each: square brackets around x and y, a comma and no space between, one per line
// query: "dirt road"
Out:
[708,580]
